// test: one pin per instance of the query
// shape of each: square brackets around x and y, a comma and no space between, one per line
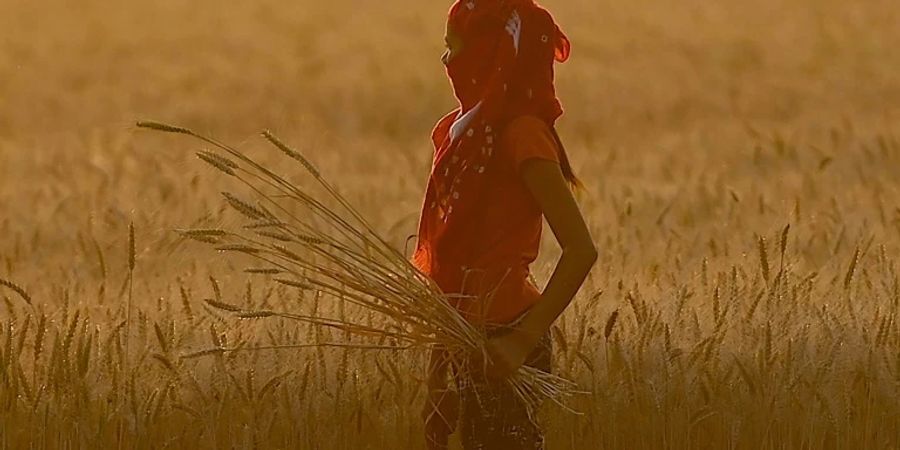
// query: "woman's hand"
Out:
[509,352]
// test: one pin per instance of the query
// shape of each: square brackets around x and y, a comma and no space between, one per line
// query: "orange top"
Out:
[495,281]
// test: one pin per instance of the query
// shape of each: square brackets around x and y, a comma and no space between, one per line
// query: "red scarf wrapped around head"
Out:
[504,71]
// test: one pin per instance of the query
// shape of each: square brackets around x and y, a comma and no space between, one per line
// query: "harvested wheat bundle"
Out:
[301,242]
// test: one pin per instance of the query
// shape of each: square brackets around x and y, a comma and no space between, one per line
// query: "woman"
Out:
[499,167]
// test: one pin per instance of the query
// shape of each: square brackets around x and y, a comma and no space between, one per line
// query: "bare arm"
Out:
[548,186]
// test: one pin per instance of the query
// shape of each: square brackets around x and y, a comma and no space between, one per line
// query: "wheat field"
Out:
[741,165]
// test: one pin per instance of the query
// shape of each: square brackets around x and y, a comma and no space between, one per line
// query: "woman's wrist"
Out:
[534,325]
[527,335]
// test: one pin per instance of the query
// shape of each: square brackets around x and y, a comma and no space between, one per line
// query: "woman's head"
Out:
[513,41]
[471,19]
[501,55]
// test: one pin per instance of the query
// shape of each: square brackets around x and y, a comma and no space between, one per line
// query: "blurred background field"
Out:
[700,129]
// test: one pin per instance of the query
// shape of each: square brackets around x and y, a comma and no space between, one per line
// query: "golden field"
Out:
[701,130]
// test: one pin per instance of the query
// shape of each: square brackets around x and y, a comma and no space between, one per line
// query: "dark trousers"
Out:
[492,417]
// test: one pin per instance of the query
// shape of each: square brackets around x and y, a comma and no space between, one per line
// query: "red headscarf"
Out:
[504,70]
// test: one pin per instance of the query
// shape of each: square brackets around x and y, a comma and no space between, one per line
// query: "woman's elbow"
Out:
[586,255]
[591,255]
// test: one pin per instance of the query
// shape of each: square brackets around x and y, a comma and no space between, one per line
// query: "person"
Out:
[499,168]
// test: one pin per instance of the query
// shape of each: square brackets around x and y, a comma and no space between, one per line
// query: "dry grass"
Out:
[700,131]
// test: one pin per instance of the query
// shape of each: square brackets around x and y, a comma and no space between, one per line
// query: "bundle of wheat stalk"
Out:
[303,242]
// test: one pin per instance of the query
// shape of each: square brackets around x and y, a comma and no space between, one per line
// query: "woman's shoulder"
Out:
[529,137]
[525,128]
